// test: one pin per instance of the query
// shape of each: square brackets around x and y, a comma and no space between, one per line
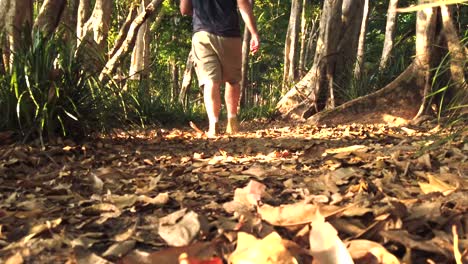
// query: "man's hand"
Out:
[254,43]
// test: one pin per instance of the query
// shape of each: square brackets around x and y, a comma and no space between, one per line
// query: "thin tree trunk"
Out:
[99,23]
[425,36]
[49,16]
[111,64]
[175,91]
[311,40]
[186,81]
[124,29]
[314,85]
[244,84]
[84,12]
[18,16]
[69,20]
[359,67]
[389,33]
[458,56]
[304,33]
[343,65]
[141,52]
[290,54]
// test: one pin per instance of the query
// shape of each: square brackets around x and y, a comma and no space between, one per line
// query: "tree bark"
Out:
[359,67]
[303,47]
[124,29]
[290,47]
[396,104]
[389,33]
[342,68]
[175,91]
[16,18]
[186,81]
[49,16]
[69,20]
[425,36]
[99,23]
[314,86]
[244,84]
[111,64]
[84,12]
[458,56]
[141,52]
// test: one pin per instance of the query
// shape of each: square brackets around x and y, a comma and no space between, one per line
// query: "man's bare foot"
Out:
[212,131]
[232,126]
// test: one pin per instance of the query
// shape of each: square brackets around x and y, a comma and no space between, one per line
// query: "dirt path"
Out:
[99,200]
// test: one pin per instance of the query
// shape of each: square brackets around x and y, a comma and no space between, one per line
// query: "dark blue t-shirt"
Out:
[219,17]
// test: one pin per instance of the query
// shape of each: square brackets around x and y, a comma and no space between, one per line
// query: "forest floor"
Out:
[390,192]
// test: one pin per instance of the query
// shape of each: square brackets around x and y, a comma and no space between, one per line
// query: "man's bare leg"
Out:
[212,98]
[232,96]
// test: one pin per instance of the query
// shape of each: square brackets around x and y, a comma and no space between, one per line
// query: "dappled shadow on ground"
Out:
[111,192]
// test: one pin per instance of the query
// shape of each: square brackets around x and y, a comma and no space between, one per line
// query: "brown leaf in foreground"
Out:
[295,214]
[199,250]
[270,250]
[366,251]
[325,245]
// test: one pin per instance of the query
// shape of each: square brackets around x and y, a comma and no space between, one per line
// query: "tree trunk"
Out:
[404,99]
[69,20]
[84,12]
[457,54]
[175,80]
[141,52]
[399,101]
[129,41]
[17,16]
[311,40]
[186,81]
[304,33]
[359,67]
[314,86]
[342,68]
[389,33]
[124,29]
[99,23]
[425,36]
[244,84]
[49,16]
[290,54]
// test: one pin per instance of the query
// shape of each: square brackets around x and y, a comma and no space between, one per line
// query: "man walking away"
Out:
[217,52]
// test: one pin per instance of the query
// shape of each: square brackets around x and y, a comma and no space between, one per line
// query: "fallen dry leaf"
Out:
[366,251]
[436,185]
[200,250]
[270,250]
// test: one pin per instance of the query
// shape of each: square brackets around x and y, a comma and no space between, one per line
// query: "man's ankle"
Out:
[232,125]
[212,130]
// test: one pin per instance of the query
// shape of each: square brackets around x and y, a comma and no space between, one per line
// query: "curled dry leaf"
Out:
[251,194]
[295,214]
[270,250]
[366,251]
[325,245]
[436,185]
[182,232]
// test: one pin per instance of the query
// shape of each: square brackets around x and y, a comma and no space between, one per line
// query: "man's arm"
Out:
[186,8]
[245,9]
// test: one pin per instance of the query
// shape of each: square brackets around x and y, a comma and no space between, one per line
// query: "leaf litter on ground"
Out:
[273,194]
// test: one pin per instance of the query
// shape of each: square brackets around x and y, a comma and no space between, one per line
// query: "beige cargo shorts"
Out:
[217,58]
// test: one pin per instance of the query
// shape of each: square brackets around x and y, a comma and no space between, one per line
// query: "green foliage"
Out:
[47,93]
[450,95]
